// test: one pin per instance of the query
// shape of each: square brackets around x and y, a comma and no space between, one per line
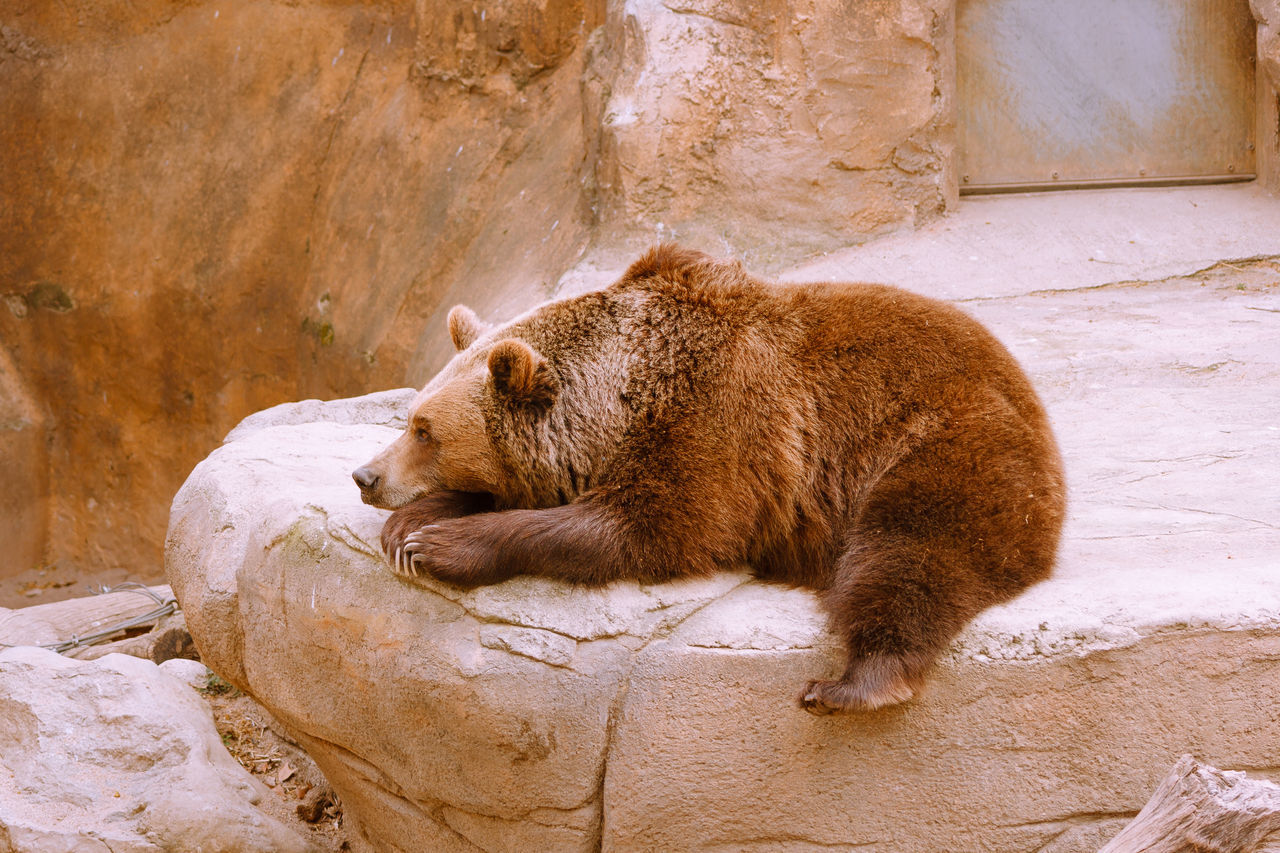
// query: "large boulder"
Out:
[445,720]
[116,754]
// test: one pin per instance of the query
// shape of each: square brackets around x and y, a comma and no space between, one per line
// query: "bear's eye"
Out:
[422,434]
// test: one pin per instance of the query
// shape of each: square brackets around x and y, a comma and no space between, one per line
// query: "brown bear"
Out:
[878,447]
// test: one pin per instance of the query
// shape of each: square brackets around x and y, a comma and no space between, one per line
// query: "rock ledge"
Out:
[534,716]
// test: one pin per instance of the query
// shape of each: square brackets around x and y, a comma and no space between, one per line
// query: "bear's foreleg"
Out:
[576,542]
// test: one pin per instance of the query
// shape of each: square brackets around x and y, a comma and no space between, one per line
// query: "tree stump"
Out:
[1200,809]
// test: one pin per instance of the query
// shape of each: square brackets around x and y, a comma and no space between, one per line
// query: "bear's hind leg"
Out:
[896,605]
[867,684]
[969,521]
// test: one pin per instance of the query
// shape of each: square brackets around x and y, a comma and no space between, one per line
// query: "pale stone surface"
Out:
[1014,245]
[382,408]
[115,754]
[193,673]
[534,716]
[732,123]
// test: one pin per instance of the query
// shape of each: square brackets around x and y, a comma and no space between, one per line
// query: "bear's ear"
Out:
[464,327]
[521,373]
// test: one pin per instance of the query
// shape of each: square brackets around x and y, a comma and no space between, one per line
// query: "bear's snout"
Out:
[367,479]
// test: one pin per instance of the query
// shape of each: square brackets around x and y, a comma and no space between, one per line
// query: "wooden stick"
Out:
[45,624]
[1200,809]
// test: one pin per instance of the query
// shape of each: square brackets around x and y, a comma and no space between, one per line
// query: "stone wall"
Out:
[773,129]
[1267,15]
[212,208]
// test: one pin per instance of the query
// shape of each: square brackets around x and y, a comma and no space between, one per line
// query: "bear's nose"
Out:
[365,477]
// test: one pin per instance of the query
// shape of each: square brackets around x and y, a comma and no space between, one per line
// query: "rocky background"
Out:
[208,208]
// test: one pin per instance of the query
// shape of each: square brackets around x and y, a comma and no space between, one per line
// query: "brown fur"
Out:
[873,445]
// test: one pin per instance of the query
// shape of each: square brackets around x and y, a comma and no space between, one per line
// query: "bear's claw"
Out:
[400,563]
[408,558]
[811,701]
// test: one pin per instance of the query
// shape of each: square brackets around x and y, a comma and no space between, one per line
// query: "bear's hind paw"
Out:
[829,697]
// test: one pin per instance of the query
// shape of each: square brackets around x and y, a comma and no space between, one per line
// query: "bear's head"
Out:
[449,443]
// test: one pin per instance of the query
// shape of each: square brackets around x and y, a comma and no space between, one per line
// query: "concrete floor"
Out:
[1004,245]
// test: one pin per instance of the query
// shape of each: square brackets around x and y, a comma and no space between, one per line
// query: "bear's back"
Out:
[912,345]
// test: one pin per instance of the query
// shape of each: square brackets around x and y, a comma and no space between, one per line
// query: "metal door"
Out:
[1074,93]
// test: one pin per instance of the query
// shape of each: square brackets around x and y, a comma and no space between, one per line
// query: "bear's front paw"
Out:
[447,552]
[427,511]
[422,553]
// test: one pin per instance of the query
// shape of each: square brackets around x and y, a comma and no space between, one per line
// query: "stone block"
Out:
[116,754]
